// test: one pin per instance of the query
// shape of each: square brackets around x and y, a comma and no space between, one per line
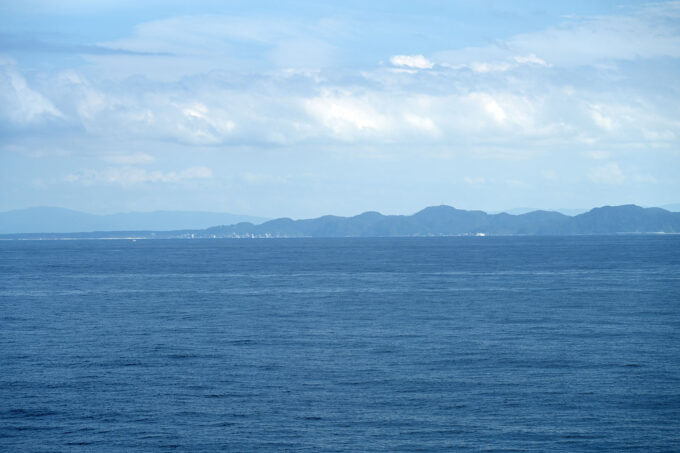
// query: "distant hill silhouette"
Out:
[61,220]
[448,221]
[432,221]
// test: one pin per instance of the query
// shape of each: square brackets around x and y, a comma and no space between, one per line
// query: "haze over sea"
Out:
[405,344]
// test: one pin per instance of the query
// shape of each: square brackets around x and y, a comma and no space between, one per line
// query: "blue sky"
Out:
[312,108]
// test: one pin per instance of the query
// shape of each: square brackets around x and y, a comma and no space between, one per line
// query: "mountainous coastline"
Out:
[448,221]
[431,221]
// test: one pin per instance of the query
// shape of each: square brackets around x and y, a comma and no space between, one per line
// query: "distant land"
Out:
[61,220]
[675,207]
[432,221]
[519,211]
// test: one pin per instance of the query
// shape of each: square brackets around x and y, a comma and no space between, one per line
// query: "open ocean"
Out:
[408,344]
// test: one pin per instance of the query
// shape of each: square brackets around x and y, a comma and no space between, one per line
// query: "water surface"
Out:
[492,344]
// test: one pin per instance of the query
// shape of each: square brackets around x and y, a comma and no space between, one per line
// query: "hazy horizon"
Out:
[306,109]
[514,210]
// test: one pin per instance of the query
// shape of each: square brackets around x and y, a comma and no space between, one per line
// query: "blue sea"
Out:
[406,344]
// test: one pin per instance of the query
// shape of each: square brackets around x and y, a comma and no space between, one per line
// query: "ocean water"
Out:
[431,344]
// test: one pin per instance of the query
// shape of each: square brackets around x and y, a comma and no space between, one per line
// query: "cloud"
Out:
[609,173]
[411,61]
[260,98]
[602,120]
[530,59]
[502,63]
[129,159]
[480,66]
[346,115]
[20,43]
[490,106]
[507,97]
[19,103]
[297,108]
[149,112]
[422,122]
[198,44]
[129,176]
[380,117]
[581,41]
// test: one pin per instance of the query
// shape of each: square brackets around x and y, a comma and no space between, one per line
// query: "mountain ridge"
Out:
[445,220]
[440,220]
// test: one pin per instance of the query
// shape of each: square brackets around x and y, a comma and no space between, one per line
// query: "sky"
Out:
[306,108]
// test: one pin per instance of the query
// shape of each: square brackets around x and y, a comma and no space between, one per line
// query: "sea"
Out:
[353,344]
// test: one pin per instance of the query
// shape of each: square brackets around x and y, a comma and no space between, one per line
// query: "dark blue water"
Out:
[492,344]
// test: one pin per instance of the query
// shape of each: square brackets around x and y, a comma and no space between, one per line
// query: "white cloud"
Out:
[490,106]
[18,101]
[380,117]
[648,33]
[502,63]
[530,59]
[177,47]
[201,124]
[505,100]
[484,67]
[609,173]
[423,123]
[296,108]
[411,61]
[168,113]
[601,119]
[345,115]
[478,66]
[129,176]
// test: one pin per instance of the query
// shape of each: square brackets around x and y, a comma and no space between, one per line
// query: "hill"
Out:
[448,221]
